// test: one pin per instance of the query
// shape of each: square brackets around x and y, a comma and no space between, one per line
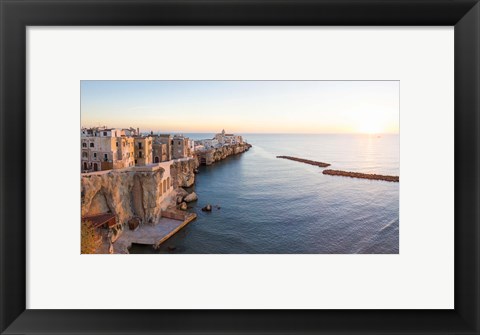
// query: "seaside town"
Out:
[133,184]
[110,148]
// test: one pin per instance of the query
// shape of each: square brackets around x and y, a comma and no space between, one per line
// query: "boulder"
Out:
[207,208]
[183,206]
[191,197]
[181,192]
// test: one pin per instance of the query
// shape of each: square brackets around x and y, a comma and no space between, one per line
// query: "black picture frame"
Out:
[16,15]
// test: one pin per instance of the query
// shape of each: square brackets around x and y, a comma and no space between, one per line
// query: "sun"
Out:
[370,127]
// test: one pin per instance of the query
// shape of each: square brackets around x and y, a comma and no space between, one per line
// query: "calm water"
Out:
[271,205]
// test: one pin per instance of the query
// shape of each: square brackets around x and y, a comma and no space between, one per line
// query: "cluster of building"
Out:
[219,140]
[105,148]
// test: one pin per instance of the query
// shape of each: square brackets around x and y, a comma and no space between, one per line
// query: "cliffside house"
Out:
[191,147]
[180,147]
[105,148]
[143,150]
[210,143]
[228,139]
[160,147]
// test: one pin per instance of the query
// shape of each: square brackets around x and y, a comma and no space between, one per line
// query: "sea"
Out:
[266,205]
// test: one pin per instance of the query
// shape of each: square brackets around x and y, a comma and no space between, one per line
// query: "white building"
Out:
[191,146]
[228,139]
[210,143]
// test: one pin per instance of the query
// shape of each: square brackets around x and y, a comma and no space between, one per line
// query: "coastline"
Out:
[270,206]
[148,195]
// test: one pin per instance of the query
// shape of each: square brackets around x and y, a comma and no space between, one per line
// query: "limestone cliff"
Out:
[124,193]
[141,192]
[183,172]
[213,155]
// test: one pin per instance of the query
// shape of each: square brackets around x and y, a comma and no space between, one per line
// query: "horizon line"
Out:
[255,133]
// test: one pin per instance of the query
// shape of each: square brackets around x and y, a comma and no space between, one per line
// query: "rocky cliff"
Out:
[211,156]
[131,193]
[225,151]
[126,194]
[183,172]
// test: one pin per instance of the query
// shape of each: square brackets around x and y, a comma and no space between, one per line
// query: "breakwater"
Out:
[306,161]
[361,175]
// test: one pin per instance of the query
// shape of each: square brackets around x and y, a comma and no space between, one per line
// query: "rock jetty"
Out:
[361,175]
[306,161]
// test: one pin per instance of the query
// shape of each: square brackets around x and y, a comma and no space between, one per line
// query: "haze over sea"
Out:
[270,205]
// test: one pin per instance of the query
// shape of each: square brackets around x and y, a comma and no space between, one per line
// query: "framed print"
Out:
[343,225]
[234,167]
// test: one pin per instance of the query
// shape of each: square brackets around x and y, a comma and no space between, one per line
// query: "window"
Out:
[139,154]
[116,144]
[106,157]
[140,145]
[104,133]
[135,161]
[91,145]
[95,155]
[84,144]
[84,155]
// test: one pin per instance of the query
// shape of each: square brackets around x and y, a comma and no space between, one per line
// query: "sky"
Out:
[370,107]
